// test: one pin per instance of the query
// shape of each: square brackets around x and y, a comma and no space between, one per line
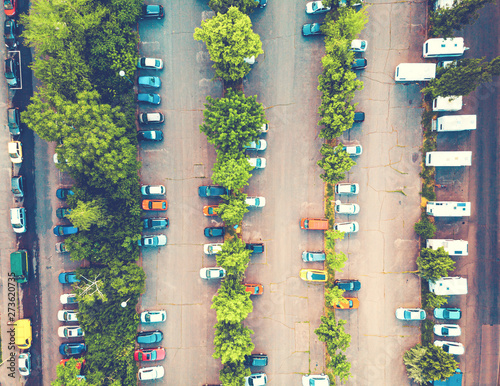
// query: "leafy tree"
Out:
[234,258]
[463,78]
[330,236]
[335,163]
[232,173]
[232,302]
[429,363]
[233,374]
[230,39]
[232,342]
[425,228]
[232,212]
[332,333]
[89,213]
[431,300]
[232,121]
[67,374]
[222,6]
[347,25]
[434,264]
[340,366]
[336,261]
[334,296]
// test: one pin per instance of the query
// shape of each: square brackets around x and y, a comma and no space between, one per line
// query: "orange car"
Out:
[254,289]
[79,364]
[154,204]
[210,210]
[347,304]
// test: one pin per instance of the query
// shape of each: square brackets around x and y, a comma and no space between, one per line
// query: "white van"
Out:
[449,103]
[437,47]
[453,247]
[453,285]
[448,158]
[448,209]
[415,72]
[454,123]
[445,4]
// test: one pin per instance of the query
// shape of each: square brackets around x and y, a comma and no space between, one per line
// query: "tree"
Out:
[230,39]
[340,366]
[233,374]
[233,211]
[222,6]
[347,25]
[232,302]
[334,296]
[430,300]
[234,258]
[335,163]
[89,213]
[232,342]
[429,363]
[463,78]
[232,121]
[67,374]
[330,236]
[332,333]
[232,173]
[336,261]
[425,228]
[434,264]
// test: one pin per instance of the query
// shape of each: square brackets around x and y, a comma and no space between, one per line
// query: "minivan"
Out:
[17,186]
[19,265]
[23,333]
[314,223]
[313,256]
[13,121]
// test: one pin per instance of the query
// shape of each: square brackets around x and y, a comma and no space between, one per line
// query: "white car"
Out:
[346,208]
[56,159]
[257,379]
[150,63]
[264,128]
[347,227]
[257,163]
[315,380]
[151,118]
[212,273]
[70,332]
[410,314]
[358,45]
[151,373]
[67,316]
[447,329]
[354,151]
[150,190]
[450,347]
[212,249]
[260,145]
[68,299]
[153,316]
[346,188]
[24,364]
[255,202]
[316,7]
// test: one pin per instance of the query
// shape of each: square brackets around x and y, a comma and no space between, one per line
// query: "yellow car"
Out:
[318,275]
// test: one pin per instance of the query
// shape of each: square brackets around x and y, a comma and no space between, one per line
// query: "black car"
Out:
[62,212]
[359,64]
[150,135]
[10,33]
[146,337]
[14,121]
[348,285]
[214,231]
[359,116]
[12,72]
[255,247]
[212,191]
[257,360]
[311,29]
[63,193]
[155,223]
[152,12]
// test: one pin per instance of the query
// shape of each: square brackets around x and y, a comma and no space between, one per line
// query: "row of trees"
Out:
[89,110]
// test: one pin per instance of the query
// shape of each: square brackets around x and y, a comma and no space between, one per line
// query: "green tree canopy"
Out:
[233,210]
[233,374]
[425,364]
[334,296]
[89,213]
[335,163]
[232,302]
[230,39]
[67,375]
[232,342]
[340,366]
[231,172]
[332,333]
[234,258]
[425,228]
[222,6]
[434,264]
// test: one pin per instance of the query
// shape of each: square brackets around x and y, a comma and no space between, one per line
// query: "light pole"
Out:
[122,74]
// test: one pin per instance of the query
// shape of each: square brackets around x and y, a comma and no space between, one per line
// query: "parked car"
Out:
[148,337]
[151,118]
[18,219]
[149,354]
[447,313]
[151,373]
[261,3]
[254,289]
[155,223]
[359,116]
[210,210]
[152,241]
[347,227]
[153,316]
[212,191]
[212,273]
[265,128]
[353,151]
[153,190]
[62,212]
[347,304]
[80,363]
[260,145]
[255,202]
[255,247]
[152,11]
[313,256]
[346,188]
[65,230]
[68,299]
[64,193]
[14,121]
[24,364]
[257,162]
[10,33]
[61,248]
[256,360]
[214,231]
[315,380]
[72,349]
[311,29]
[453,348]
[67,316]
[358,45]
[316,7]
[153,99]
[154,205]
[410,314]
[150,63]
[68,278]
[346,208]
[359,64]
[10,7]
[17,186]
[149,81]
[212,249]
[313,275]
[15,149]
[70,332]
[12,72]
[348,285]
[150,135]
[447,330]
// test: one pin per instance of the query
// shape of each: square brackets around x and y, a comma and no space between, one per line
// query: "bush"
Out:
[431,301]
[425,228]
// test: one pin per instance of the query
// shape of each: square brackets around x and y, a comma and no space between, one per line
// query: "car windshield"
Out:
[7,4]
[445,331]
[446,348]
[314,6]
[147,317]
[407,314]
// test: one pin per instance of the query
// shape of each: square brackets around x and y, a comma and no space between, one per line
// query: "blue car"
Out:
[147,337]
[447,313]
[348,285]
[65,230]
[63,193]
[255,247]
[68,278]
[259,360]
[214,231]
[261,3]
[153,99]
[212,191]
[72,349]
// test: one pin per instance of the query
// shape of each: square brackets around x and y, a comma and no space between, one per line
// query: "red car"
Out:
[149,354]
[210,210]
[10,7]
[154,204]
[254,289]
[79,363]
